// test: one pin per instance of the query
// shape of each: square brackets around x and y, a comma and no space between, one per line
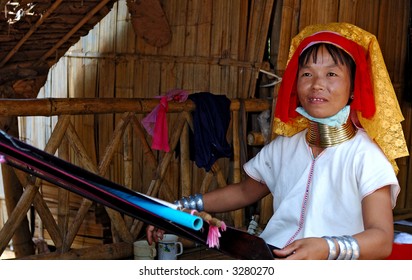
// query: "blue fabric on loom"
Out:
[211,120]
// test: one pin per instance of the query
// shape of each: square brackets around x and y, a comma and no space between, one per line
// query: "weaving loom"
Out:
[233,242]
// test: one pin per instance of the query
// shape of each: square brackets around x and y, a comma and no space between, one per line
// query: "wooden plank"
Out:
[347,10]
[314,11]
[125,34]
[203,22]
[216,46]
[106,30]
[235,48]
[190,44]
[225,47]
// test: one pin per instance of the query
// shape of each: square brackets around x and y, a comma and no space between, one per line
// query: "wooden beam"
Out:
[88,16]
[84,106]
[31,31]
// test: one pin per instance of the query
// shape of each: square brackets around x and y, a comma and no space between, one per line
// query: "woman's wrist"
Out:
[194,202]
[342,247]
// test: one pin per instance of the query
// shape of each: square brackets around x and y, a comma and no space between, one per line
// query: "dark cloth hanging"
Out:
[211,120]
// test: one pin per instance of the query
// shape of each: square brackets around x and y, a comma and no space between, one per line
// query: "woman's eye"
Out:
[305,75]
[331,74]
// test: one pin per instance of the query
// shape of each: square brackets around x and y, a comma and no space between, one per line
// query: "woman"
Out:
[331,171]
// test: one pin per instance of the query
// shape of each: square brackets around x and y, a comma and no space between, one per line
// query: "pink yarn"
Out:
[155,122]
[214,234]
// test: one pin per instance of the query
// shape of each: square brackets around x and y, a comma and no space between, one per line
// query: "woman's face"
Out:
[323,86]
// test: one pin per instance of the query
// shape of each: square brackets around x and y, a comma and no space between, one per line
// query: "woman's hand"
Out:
[153,234]
[305,249]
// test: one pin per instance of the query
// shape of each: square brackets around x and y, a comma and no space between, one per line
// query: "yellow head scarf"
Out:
[385,125]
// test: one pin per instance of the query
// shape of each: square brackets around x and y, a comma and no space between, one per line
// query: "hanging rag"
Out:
[211,120]
[155,122]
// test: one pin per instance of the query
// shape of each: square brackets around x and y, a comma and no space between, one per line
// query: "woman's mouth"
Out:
[316,99]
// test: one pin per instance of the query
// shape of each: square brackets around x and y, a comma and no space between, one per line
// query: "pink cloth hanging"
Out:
[161,131]
[155,122]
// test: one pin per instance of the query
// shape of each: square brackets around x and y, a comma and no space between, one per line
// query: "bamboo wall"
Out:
[217,47]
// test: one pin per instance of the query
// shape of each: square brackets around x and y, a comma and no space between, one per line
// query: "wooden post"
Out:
[128,165]
[13,190]
[63,210]
[41,208]
[238,214]
[185,162]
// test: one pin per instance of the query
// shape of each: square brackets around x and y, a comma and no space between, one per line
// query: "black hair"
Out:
[338,55]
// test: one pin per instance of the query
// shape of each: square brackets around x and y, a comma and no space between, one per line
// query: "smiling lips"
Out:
[315,99]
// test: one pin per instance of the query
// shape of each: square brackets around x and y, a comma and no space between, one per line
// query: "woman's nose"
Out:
[318,83]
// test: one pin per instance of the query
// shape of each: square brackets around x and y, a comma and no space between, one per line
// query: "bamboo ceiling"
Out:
[35,34]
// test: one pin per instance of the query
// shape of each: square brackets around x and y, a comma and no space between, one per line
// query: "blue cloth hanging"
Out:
[211,120]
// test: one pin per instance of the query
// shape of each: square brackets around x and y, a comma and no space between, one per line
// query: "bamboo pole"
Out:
[185,161]
[217,172]
[128,165]
[63,210]
[40,205]
[16,216]
[75,142]
[115,216]
[114,142]
[74,227]
[147,151]
[30,192]
[13,190]
[207,179]
[48,221]
[238,214]
[84,106]
[42,209]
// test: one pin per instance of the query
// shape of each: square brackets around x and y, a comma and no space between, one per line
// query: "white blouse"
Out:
[322,196]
